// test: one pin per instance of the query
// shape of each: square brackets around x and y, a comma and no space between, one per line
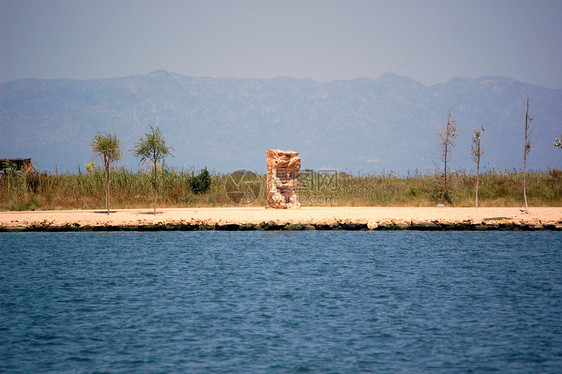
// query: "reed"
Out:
[130,189]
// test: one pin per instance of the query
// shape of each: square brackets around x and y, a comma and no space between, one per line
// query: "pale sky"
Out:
[323,40]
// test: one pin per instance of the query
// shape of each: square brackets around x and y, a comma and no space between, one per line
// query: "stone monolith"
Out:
[282,178]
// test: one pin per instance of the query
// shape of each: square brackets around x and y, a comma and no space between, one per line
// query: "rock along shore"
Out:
[307,218]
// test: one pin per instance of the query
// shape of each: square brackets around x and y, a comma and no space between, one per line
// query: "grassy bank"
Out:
[134,190]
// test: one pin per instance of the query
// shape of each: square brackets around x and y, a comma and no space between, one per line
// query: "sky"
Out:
[429,41]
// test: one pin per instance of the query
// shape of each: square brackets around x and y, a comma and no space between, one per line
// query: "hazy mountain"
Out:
[386,124]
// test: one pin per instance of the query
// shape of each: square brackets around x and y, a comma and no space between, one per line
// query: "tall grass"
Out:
[134,190]
[496,189]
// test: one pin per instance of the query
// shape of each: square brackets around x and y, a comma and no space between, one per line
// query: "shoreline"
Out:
[306,218]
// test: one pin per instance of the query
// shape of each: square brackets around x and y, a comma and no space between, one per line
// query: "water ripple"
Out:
[289,302]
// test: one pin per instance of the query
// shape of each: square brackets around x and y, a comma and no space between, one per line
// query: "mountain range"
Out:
[360,125]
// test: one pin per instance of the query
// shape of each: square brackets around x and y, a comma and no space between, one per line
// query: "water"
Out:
[269,302]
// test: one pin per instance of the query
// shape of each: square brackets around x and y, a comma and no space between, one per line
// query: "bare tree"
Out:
[108,148]
[527,149]
[152,146]
[476,150]
[447,142]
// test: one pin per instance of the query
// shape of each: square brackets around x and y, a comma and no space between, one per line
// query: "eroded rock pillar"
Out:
[282,178]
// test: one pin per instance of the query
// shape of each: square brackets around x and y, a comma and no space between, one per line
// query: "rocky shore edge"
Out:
[495,223]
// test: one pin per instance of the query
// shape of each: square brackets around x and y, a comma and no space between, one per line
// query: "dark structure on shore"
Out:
[24,165]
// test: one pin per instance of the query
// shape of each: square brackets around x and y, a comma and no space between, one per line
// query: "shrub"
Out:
[201,183]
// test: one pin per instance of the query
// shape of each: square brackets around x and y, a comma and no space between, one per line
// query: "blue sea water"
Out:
[286,302]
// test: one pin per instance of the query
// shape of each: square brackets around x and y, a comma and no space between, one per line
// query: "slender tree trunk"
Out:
[526,151]
[445,171]
[477,174]
[155,187]
[107,188]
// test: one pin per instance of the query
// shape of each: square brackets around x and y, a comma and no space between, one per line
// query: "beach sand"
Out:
[237,218]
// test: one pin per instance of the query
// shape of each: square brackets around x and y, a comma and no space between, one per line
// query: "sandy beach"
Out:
[371,218]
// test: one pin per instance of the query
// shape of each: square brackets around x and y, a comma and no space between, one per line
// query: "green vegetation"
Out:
[496,189]
[152,147]
[19,191]
[201,182]
[447,142]
[108,148]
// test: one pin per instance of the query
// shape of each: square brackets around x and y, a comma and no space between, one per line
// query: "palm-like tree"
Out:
[152,146]
[108,148]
